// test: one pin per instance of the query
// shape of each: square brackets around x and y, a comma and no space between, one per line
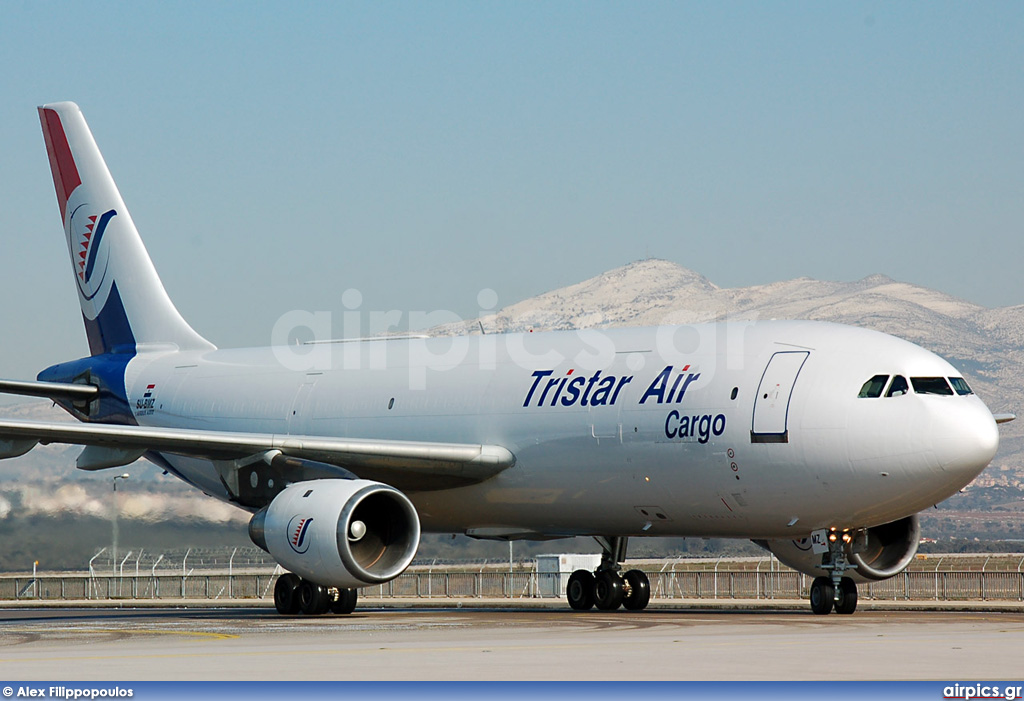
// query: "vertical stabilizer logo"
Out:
[87,253]
[298,529]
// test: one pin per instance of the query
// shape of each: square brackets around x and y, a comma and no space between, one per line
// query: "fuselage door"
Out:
[771,405]
[604,424]
[298,419]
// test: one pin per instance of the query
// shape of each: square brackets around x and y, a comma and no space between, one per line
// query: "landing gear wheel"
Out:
[822,596]
[580,590]
[313,598]
[286,596]
[639,590]
[346,601]
[609,590]
[847,600]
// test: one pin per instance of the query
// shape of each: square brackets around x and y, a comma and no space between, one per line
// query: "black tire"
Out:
[609,590]
[639,590]
[286,597]
[580,590]
[314,599]
[346,601]
[822,596]
[847,601]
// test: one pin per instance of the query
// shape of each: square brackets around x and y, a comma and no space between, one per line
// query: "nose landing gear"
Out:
[835,591]
[823,596]
[606,588]
[846,596]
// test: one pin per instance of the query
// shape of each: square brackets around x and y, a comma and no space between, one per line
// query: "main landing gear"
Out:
[606,588]
[834,591]
[293,595]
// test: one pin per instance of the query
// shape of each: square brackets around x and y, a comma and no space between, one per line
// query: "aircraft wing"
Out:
[403,464]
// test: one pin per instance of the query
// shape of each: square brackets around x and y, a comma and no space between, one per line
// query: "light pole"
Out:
[114,520]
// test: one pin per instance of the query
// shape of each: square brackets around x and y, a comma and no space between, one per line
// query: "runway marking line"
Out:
[279,653]
[129,631]
[365,651]
[203,635]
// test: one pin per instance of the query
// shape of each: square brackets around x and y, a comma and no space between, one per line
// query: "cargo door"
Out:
[770,423]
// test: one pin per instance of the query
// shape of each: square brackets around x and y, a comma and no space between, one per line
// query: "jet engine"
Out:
[878,552]
[339,533]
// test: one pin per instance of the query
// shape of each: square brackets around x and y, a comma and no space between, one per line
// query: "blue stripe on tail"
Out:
[110,332]
[94,247]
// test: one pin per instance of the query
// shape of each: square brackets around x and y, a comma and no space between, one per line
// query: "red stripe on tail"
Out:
[62,163]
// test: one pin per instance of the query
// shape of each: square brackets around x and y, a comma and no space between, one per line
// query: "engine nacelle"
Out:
[879,552]
[339,533]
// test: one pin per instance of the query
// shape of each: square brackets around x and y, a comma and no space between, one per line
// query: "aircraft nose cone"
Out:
[967,440]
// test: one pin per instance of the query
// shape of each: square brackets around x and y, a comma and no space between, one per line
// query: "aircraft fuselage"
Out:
[730,429]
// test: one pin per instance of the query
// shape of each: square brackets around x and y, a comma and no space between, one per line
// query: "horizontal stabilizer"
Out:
[1004,418]
[50,390]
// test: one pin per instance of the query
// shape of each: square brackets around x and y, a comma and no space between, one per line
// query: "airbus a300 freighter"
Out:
[819,441]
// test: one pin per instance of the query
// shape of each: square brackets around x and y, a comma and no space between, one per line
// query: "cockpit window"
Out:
[898,387]
[931,385]
[873,387]
[961,386]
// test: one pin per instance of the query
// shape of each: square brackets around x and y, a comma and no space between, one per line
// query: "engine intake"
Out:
[339,533]
[888,549]
[878,552]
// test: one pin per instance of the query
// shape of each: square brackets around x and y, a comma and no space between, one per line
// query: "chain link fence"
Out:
[527,584]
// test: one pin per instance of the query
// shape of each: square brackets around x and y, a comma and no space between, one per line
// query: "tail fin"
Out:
[124,304]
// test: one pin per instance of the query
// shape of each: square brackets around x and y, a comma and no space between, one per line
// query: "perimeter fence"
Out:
[726,581]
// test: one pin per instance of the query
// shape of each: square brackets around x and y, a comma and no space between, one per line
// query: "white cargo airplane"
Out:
[820,442]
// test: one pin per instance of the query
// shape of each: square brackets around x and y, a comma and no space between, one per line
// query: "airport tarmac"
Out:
[519,643]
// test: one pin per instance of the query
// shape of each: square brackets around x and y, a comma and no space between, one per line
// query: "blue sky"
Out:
[274,155]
